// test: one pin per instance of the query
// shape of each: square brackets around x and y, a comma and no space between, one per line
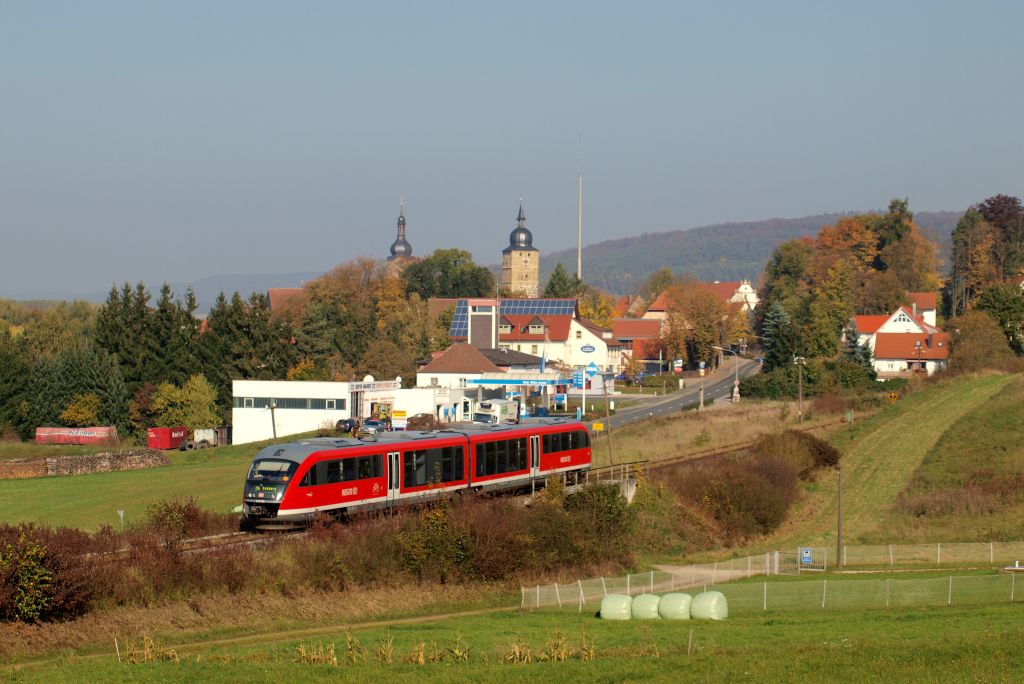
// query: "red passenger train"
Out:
[291,483]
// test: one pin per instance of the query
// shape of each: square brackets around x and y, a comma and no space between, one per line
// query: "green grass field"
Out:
[947,644]
[213,476]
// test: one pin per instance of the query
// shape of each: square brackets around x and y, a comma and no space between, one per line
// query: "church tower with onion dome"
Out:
[400,248]
[520,261]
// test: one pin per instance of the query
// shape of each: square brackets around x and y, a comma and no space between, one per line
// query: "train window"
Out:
[501,460]
[415,468]
[483,453]
[519,463]
[451,464]
[272,471]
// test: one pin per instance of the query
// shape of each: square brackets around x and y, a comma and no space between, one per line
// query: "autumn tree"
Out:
[977,342]
[1004,302]
[831,308]
[448,273]
[193,404]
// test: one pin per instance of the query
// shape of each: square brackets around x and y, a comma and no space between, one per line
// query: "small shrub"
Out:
[147,651]
[518,652]
[317,654]
[386,649]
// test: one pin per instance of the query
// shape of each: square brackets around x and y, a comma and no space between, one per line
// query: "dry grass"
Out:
[692,435]
[209,617]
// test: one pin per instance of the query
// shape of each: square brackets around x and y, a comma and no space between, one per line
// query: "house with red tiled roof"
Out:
[282,297]
[561,339]
[732,291]
[904,342]
[454,366]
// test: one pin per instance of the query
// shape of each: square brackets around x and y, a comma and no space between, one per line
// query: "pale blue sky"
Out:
[175,140]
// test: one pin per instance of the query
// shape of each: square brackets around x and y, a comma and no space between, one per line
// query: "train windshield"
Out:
[484,418]
[272,471]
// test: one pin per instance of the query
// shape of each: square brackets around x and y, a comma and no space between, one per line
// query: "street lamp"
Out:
[736,382]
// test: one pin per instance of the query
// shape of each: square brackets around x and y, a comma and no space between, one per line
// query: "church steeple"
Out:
[400,247]
[521,238]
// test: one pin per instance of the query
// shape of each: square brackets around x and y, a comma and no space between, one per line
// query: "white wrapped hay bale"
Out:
[645,607]
[710,605]
[616,607]
[675,606]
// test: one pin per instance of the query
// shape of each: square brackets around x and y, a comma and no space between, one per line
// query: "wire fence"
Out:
[894,555]
[799,595]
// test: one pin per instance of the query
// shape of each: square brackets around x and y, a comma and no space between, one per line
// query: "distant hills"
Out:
[726,251]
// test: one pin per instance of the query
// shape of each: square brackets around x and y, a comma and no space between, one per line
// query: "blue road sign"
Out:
[805,555]
[577,379]
[592,369]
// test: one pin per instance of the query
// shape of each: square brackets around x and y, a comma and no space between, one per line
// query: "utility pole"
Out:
[607,419]
[839,517]
[273,421]
[579,233]
[799,361]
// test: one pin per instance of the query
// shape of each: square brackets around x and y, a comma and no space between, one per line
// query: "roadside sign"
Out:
[806,555]
[677,365]
[588,349]
[597,427]
[702,365]
[592,369]
[560,398]
[577,379]
[579,413]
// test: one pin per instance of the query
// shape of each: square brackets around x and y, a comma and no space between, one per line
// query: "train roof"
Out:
[300,451]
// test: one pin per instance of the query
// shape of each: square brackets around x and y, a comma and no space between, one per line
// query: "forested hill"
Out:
[727,251]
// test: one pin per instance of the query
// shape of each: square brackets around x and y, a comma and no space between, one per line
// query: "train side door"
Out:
[534,455]
[394,475]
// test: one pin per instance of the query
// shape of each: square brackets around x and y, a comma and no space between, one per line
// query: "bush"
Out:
[39,582]
[803,451]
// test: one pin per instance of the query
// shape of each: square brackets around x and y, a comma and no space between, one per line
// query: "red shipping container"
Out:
[78,435]
[166,437]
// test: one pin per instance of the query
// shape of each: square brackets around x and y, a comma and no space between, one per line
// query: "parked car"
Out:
[373,426]
[346,425]
[422,421]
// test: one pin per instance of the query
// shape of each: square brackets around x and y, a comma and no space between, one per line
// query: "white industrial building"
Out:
[300,407]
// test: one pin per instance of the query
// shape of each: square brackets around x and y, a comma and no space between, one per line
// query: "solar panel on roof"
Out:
[460,320]
[512,307]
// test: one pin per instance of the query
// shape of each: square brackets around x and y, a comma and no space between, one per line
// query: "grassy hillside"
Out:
[880,456]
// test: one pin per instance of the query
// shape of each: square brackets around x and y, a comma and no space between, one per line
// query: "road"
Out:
[717,386]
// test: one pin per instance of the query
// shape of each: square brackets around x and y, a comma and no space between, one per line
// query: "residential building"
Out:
[906,341]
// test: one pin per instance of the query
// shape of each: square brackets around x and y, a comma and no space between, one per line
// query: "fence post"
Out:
[991,554]
[557,597]
[845,562]
[652,581]
[887,592]
[765,596]
[538,596]
[938,553]
[628,592]
[949,599]
[714,574]
[824,583]
[890,556]
[604,588]
[522,601]
[583,600]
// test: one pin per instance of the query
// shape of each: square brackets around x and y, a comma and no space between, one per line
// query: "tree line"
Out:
[135,363]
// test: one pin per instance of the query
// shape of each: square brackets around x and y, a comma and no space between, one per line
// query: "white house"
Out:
[572,342]
[905,341]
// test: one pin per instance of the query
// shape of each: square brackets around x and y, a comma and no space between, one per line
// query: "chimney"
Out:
[914,305]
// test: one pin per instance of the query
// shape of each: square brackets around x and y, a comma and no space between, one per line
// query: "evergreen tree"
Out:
[561,285]
[780,338]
